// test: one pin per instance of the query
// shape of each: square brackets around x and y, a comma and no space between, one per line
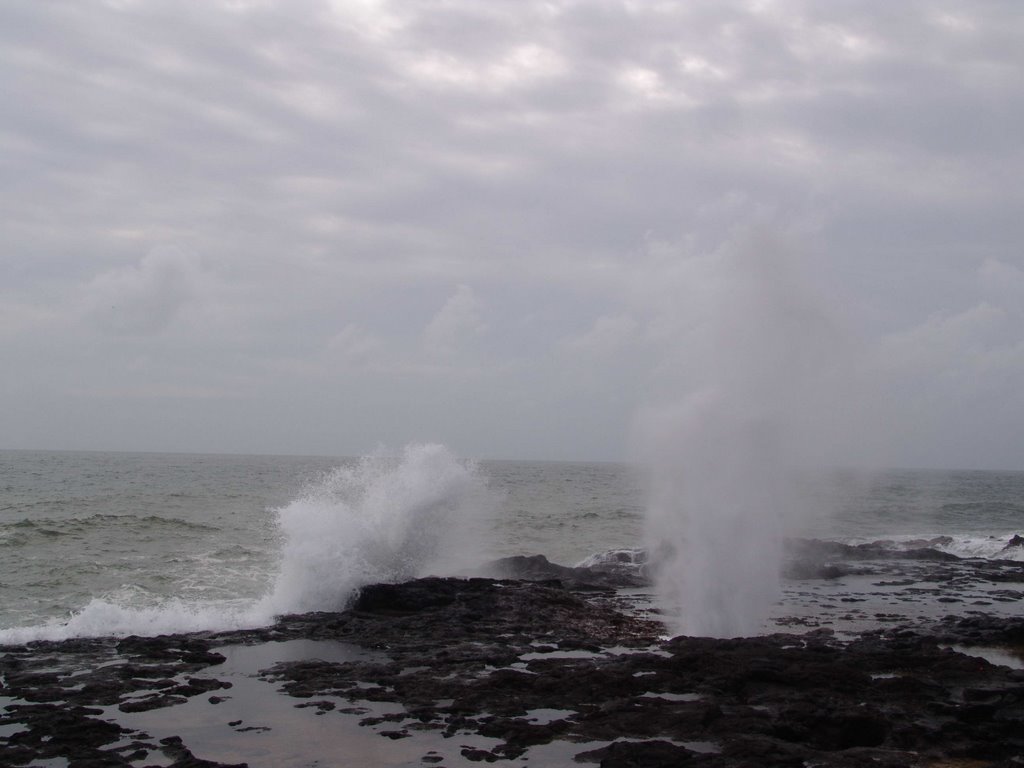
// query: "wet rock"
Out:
[608,573]
[197,685]
[53,731]
[525,663]
[925,553]
[147,703]
[643,754]
[389,599]
[174,748]
[802,569]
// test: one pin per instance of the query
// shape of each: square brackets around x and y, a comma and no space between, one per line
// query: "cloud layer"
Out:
[319,226]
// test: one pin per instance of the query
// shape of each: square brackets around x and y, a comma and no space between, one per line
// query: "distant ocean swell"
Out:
[24,531]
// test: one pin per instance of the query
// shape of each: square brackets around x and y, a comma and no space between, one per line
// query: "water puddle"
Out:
[252,722]
[546,716]
[616,650]
[563,752]
[672,696]
[9,729]
[561,655]
[249,659]
[654,650]
[249,721]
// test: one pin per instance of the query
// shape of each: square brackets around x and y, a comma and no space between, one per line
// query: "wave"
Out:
[983,510]
[27,531]
[105,618]
[381,519]
[623,558]
[1006,546]
[992,547]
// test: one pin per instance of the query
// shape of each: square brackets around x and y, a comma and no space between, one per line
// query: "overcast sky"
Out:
[510,226]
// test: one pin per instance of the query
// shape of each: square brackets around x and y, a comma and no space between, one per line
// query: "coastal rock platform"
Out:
[444,671]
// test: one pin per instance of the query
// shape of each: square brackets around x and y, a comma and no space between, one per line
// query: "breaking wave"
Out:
[1009,546]
[380,519]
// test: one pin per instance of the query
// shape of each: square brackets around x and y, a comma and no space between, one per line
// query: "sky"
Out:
[518,228]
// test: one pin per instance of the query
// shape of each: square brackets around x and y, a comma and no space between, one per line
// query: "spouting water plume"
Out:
[740,398]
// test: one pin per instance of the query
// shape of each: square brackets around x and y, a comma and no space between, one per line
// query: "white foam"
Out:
[992,546]
[987,547]
[104,618]
[380,520]
[634,558]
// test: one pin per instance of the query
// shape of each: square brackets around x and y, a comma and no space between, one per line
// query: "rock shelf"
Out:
[505,671]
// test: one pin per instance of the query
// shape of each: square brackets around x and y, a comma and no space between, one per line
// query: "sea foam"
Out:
[995,546]
[380,520]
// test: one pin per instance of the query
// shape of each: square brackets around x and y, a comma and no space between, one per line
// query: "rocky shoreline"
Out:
[501,670]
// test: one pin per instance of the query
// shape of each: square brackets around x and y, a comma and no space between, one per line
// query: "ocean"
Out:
[98,543]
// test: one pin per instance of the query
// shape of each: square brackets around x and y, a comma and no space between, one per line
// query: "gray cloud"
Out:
[144,298]
[457,322]
[335,170]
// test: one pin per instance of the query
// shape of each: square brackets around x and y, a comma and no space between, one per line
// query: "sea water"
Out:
[99,543]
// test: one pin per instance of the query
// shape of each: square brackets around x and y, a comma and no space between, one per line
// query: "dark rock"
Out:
[156,701]
[174,748]
[406,598]
[478,755]
[925,553]
[198,685]
[612,574]
[802,570]
[642,754]
[527,663]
